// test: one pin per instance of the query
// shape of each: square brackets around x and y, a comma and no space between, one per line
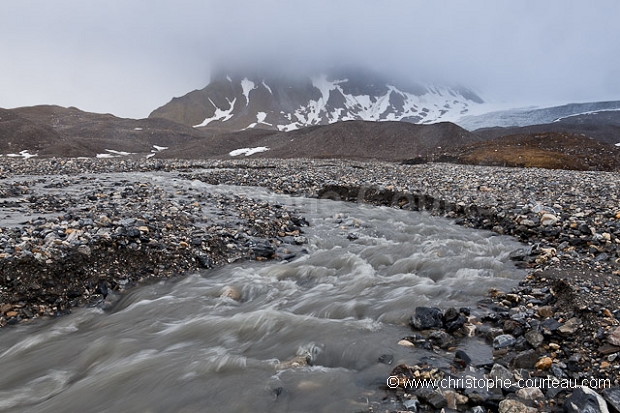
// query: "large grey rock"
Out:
[503,341]
[612,396]
[585,400]
[426,317]
[501,373]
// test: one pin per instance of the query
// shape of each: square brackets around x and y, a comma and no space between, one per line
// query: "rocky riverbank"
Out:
[74,231]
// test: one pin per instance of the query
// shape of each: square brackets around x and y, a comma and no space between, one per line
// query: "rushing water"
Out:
[179,346]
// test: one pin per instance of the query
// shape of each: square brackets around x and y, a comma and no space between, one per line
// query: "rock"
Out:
[441,339]
[545,311]
[230,292]
[386,359]
[450,315]
[525,360]
[412,405]
[514,406]
[500,373]
[406,343]
[84,250]
[544,363]
[462,359]
[614,337]
[585,400]
[612,396]
[455,324]
[503,341]
[431,397]
[426,318]
[453,399]
[534,338]
[550,325]
[548,220]
[530,393]
[570,327]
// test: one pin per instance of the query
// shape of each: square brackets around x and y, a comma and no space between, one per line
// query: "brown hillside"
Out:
[549,150]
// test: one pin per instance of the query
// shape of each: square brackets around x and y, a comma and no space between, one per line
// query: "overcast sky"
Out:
[128,57]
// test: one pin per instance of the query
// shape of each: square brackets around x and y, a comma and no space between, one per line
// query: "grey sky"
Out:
[128,57]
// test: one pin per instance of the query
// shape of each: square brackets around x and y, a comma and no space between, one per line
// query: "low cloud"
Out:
[128,57]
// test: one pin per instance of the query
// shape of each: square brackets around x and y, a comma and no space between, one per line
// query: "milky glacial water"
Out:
[178,346]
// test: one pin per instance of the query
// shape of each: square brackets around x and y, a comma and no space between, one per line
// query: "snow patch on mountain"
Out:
[220,114]
[247,85]
[260,119]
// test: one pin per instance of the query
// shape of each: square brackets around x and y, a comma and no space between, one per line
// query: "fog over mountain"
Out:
[130,57]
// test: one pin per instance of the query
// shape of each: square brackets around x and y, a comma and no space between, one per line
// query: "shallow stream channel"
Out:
[180,345]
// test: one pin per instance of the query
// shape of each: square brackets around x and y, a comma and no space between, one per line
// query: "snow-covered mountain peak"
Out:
[285,103]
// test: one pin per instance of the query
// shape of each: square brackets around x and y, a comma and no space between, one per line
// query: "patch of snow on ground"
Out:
[618,144]
[248,151]
[23,154]
[113,154]
[219,114]
[155,150]
[247,85]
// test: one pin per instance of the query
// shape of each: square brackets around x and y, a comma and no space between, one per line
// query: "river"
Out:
[180,346]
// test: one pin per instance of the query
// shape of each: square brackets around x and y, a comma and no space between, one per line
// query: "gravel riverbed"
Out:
[63,247]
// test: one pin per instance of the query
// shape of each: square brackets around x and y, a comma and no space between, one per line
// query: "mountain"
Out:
[361,140]
[537,116]
[48,130]
[285,103]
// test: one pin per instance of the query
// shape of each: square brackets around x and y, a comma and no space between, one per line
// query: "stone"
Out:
[548,220]
[500,373]
[230,292]
[534,338]
[503,341]
[462,359]
[451,399]
[386,359]
[406,343]
[585,400]
[530,393]
[569,327]
[455,324]
[431,397]
[441,339]
[544,363]
[514,406]
[426,318]
[469,329]
[84,250]
[545,311]
[614,337]
[525,360]
[612,396]
[412,405]
[450,315]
